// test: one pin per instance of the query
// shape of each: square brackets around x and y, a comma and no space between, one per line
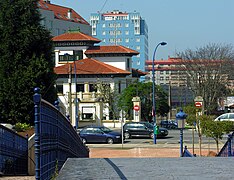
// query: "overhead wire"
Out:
[103,6]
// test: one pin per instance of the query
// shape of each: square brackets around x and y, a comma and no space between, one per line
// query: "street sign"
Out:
[136,107]
[198,104]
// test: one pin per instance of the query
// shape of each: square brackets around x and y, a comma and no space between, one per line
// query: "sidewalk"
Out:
[153,151]
[131,151]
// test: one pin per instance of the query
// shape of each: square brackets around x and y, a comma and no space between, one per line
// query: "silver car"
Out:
[225,117]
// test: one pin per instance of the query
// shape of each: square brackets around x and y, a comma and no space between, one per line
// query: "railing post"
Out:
[56,104]
[230,145]
[37,103]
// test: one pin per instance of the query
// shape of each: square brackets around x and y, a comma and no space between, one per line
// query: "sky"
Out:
[183,24]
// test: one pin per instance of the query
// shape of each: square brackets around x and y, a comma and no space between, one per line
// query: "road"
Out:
[174,138]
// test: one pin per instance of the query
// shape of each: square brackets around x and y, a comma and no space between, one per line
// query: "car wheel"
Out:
[110,141]
[152,135]
[84,140]
[127,135]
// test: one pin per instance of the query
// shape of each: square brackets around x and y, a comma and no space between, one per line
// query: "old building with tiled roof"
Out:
[81,66]
[59,19]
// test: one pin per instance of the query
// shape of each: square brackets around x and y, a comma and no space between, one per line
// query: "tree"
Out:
[110,98]
[216,129]
[25,61]
[207,72]
[144,91]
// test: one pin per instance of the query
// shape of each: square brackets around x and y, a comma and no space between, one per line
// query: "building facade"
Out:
[170,76]
[82,67]
[121,28]
[58,19]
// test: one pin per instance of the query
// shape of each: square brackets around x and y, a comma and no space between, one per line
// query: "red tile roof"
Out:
[75,36]
[60,12]
[114,49]
[90,66]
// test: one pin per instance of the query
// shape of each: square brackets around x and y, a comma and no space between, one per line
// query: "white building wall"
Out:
[119,62]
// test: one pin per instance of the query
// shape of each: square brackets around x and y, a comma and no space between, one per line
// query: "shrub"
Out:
[20,127]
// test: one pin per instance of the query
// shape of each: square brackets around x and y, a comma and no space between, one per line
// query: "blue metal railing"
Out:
[186,153]
[228,148]
[13,153]
[55,139]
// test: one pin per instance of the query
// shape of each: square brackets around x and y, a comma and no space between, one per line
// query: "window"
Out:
[126,32]
[87,116]
[78,55]
[66,58]
[92,88]
[88,112]
[104,25]
[80,88]
[127,40]
[104,33]
[59,89]
[138,47]
[119,86]
[126,25]
[128,63]
[138,39]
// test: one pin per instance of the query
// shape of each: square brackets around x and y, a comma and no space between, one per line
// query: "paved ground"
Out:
[147,169]
[129,151]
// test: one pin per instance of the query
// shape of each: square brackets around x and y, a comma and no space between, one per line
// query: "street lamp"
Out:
[180,117]
[70,91]
[153,79]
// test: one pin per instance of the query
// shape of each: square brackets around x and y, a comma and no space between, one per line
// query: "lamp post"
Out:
[153,80]
[76,99]
[70,91]
[180,117]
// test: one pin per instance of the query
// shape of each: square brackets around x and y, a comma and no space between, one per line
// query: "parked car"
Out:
[142,129]
[170,124]
[225,117]
[99,134]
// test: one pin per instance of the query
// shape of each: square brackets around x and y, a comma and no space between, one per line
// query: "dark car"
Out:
[142,129]
[170,124]
[99,134]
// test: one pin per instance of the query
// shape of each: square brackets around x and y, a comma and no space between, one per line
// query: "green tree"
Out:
[25,61]
[216,129]
[144,91]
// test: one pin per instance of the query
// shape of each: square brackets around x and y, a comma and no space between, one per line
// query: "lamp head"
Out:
[163,43]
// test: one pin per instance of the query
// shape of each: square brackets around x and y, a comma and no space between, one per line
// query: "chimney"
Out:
[69,14]
[47,1]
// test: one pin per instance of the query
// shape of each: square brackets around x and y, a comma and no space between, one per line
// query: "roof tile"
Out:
[75,36]
[112,49]
[60,12]
[90,66]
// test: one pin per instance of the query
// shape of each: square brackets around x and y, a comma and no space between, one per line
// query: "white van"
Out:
[225,117]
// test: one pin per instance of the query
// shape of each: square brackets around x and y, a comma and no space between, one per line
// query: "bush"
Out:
[21,127]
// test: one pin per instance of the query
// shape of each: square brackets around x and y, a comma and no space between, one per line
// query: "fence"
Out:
[13,153]
[228,148]
[186,153]
[55,139]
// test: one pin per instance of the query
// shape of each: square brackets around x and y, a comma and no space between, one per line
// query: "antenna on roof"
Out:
[103,6]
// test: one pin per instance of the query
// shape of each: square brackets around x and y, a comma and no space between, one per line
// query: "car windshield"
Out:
[148,125]
[105,129]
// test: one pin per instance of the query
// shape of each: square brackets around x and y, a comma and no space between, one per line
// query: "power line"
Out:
[103,6]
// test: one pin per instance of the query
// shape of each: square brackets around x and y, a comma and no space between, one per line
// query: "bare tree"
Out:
[208,71]
[110,97]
